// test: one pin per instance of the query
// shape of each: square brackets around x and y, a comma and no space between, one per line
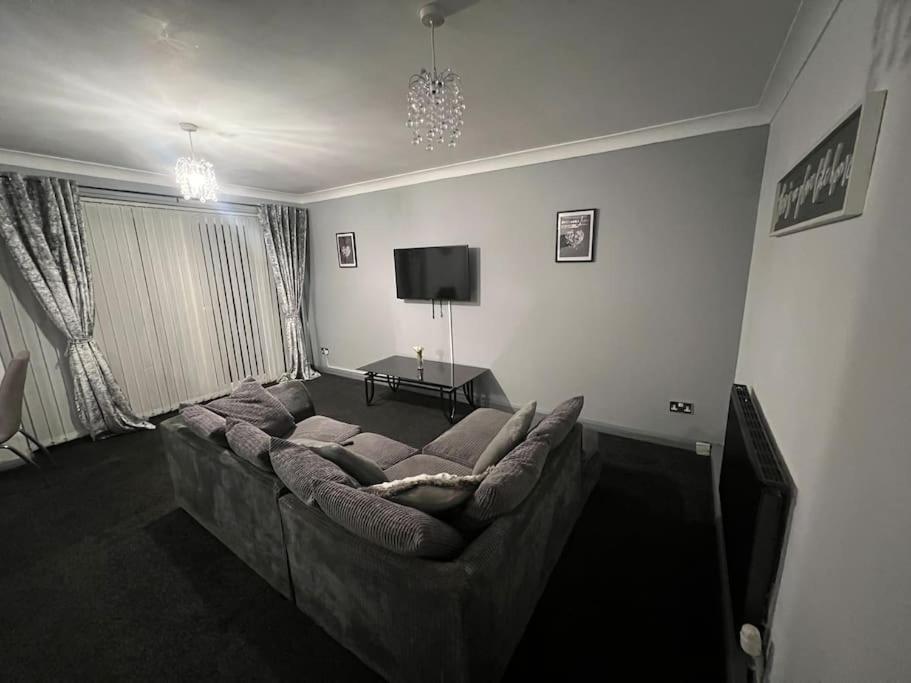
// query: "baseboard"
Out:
[595,425]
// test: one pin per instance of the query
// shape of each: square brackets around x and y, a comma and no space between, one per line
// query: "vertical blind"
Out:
[184,309]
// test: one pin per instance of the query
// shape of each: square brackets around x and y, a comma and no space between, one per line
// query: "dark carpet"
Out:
[104,578]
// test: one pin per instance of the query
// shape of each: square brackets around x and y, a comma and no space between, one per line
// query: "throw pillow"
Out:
[510,435]
[402,530]
[508,483]
[554,428]
[363,470]
[249,442]
[302,470]
[251,403]
[204,422]
[429,492]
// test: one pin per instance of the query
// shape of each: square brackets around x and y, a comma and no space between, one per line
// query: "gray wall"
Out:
[827,348]
[656,317]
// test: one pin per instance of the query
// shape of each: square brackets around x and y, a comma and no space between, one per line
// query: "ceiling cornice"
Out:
[124,178]
[810,22]
[665,132]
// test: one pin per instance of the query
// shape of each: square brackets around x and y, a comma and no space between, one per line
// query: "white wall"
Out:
[656,317]
[826,344]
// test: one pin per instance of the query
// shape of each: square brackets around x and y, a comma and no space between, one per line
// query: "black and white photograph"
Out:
[575,236]
[347,250]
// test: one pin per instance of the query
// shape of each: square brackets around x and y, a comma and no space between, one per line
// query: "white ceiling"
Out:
[302,96]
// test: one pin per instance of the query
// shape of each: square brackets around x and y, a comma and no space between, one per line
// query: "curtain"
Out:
[42,226]
[286,241]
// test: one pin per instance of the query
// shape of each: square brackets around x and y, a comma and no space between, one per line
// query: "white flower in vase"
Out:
[419,350]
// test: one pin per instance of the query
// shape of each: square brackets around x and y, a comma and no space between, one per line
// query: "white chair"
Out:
[12,394]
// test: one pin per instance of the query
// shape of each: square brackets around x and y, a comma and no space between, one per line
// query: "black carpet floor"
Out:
[102,577]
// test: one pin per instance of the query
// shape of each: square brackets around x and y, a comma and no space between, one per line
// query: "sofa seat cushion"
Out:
[432,493]
[421,463]
[556,427]
[302,470]
[382,450]
[510,435]
[465,442]
[322,428]
[401,529]
[251,403]
[508,483]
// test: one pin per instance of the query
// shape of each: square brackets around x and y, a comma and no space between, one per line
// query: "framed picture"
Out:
[830,183]
[347,250]
[575,236]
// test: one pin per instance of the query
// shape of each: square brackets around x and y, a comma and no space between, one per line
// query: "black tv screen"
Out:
[433,273]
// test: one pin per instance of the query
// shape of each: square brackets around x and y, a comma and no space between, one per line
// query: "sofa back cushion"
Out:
[401,529]
[302,470]
[510,435]
[249,442]
[251,403]
[465,442]
[296,398]
[556,427]
[508,483]
[204,422]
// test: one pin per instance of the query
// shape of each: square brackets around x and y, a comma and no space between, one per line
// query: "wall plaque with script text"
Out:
[830,183]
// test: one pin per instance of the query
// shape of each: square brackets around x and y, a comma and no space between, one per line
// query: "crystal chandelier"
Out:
[435,102]
[195,177]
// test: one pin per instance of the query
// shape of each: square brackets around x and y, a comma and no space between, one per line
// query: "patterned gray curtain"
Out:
[286,239]
[41,225]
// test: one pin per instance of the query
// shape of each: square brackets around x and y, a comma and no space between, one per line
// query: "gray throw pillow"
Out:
[508,483]
[510,435]
[249,442]
[429,492]
[359,467]
[302,470]
[204,422]
[251,403]
[402,530]
[554,428]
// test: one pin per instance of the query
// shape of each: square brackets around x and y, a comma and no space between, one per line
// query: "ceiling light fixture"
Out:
[435,102]
[195,177]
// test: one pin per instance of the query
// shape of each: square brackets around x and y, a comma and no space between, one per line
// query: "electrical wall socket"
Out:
[324,350]
[703,448]
[681,407]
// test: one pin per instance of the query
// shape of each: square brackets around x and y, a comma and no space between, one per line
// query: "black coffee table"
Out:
[445,377]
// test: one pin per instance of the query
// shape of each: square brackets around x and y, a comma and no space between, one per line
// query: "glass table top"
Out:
[434,372]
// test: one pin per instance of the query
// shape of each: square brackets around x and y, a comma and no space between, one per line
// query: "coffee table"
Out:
[447,378]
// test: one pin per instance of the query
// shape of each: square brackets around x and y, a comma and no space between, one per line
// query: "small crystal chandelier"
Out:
[435,102]
[195,177]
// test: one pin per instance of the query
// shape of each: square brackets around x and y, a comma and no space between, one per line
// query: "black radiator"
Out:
[757,494]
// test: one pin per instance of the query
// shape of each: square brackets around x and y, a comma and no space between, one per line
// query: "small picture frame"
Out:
[346,249]
[575,238]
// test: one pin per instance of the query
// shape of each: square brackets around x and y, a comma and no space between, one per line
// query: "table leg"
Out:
[369,387]
[468,390]
[451,405]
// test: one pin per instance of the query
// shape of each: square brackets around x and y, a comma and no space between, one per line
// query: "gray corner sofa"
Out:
[410,618]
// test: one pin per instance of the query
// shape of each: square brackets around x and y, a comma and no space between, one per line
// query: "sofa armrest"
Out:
[295,396]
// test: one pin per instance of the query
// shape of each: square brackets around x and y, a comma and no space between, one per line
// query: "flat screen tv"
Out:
[433,273]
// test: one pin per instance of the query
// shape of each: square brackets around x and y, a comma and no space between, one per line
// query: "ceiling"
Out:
[301,96]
